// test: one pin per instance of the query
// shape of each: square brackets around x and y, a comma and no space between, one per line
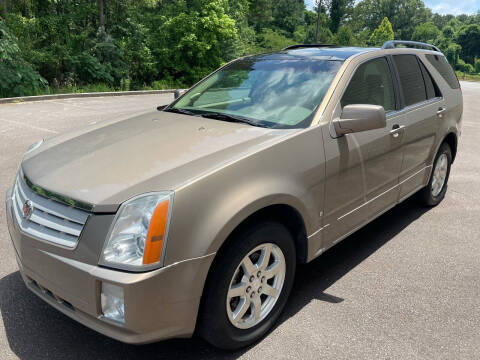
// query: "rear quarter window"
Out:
[411,79]
[444,69]
[430,85]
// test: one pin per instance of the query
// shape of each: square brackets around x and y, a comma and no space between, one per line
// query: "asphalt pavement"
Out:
[407,286]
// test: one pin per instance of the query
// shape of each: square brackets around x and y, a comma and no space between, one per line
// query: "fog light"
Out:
[113,305]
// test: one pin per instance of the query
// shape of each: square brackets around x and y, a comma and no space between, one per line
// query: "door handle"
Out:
[396,129]
[440,111]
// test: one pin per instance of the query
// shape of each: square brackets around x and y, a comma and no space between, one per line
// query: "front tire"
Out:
[435,191]
[248,286]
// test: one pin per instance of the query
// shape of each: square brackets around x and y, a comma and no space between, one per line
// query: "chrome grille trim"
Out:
[50,220]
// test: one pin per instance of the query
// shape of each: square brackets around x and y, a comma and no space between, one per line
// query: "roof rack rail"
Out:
[300,46]
[392,44]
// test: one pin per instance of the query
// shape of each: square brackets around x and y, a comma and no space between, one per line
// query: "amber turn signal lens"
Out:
[156,234]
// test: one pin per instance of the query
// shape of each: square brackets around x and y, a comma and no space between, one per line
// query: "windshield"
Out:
[269,93]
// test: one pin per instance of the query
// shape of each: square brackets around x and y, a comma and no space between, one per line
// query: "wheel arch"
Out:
[452,140]
[283,213]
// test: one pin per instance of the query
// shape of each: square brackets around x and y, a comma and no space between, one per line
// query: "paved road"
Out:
[406,286]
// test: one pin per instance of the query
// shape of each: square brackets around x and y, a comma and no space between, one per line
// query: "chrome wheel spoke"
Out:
[237,290]
[443,165]
[241,309]
[273,270]
[264,257]
[257,307]
[248,266]
[270,291]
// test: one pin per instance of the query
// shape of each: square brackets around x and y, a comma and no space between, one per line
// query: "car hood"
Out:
[107,163]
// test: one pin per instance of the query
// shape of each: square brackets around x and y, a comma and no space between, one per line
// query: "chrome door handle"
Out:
[396,130]
[440,111]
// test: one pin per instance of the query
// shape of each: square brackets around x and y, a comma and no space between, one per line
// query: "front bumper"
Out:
[159,304]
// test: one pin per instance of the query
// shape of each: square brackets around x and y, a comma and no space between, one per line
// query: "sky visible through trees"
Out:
[51,46]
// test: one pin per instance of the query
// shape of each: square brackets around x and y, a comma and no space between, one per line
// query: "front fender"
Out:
[206,211]
[207,226]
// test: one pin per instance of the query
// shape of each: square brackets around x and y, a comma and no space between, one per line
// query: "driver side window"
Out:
[371,84]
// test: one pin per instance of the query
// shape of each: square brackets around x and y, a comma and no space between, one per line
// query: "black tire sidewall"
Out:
[215,326]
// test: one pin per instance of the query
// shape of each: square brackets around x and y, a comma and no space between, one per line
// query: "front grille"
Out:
[50,220]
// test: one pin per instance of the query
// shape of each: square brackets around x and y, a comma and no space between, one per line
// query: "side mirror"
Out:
[161,107]
[177,93]
[357,118]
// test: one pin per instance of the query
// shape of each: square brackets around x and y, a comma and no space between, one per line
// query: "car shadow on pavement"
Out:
[36,331]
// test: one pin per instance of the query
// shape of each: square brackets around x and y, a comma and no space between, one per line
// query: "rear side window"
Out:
[411,79]
[371,84]
[443,67]
[430,85]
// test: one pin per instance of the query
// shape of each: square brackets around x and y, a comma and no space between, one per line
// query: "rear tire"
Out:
[434,192]
[235,290]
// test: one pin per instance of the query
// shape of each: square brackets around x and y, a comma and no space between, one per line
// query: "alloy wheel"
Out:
[256,286]
[439,174]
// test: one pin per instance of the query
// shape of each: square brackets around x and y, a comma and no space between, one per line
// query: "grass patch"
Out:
[93,88]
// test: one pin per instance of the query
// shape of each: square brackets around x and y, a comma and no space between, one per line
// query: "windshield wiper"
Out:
[181,111]
[230,118]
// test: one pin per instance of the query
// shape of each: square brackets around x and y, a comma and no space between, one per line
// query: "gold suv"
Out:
[195,216]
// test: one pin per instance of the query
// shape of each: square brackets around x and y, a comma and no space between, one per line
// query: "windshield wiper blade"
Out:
[230,118]
[181,111]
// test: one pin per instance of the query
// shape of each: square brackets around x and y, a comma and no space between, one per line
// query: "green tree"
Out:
[464,67]
[17,77]
[468,38]
[288,15]
[338,10]
[344,36]
[261,14]
[452,52]
[477,66]
[192,43]
[336,14]
[426,32]
[382,33]
[404,15]
[441,21]
[448,32]
[269,40]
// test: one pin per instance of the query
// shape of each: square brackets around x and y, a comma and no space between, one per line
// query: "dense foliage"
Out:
[88,45]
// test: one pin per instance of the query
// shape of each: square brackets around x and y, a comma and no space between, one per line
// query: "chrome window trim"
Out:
[414,107]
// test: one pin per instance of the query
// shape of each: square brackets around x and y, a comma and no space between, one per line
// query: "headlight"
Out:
[139,233]
[34,146]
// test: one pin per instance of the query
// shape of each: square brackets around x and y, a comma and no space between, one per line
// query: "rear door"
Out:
[422,108]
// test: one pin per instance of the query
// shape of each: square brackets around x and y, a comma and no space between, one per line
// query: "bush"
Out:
[464,67]
[17,77]
[477,66]
[469,69]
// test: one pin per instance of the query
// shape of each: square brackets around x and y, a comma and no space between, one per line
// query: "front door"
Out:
[362,169]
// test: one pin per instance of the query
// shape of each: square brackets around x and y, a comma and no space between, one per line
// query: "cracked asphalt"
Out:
[407,286]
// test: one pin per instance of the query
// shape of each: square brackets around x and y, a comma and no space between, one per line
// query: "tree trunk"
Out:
[101,14]
[319,10]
